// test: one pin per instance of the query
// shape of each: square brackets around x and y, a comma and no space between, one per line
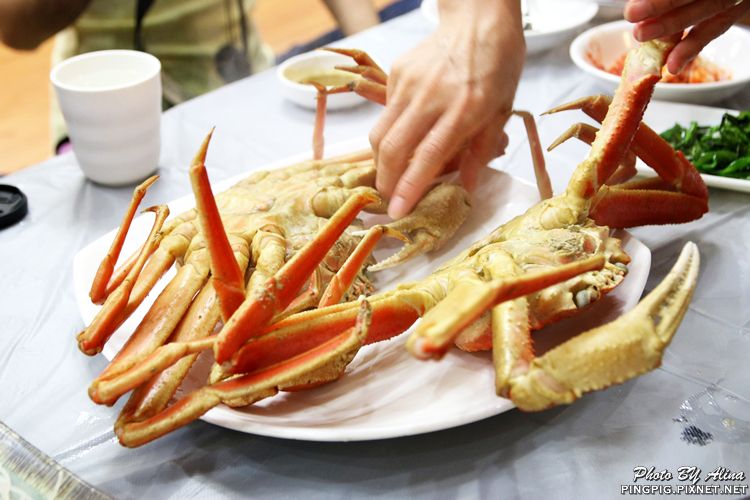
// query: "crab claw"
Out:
[613,353]
[433,222]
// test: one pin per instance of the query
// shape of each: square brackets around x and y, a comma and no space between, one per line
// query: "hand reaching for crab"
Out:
[708,18]
[448,100]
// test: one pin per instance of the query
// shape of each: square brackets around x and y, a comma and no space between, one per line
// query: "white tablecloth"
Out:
[586,450]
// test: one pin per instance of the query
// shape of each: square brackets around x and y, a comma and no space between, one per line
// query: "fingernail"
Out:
[638,10]
[398,207]
[646,32]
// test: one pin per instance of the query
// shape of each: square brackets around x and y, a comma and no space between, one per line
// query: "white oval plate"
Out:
[609,41]
[552,21]
[385,393]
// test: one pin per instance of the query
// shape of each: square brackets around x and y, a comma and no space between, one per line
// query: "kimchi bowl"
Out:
[721,70]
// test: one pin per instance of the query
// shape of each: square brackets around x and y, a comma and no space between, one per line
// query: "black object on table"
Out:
[13,205]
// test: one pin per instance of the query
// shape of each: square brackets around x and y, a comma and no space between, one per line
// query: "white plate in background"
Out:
[386,392]
[610,41]
[552,21]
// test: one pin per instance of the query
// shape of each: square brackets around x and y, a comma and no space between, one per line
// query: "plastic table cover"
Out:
[662,419]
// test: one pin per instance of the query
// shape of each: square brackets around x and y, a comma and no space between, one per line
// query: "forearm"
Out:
[24,24]
[353,15]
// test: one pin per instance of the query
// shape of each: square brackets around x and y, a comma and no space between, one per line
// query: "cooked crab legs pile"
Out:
[254,262]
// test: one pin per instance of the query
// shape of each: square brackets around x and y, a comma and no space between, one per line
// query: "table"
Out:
[586,450]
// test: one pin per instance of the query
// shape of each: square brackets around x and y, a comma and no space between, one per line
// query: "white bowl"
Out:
[305,95]
[610,10]
[552,21]
[609,41]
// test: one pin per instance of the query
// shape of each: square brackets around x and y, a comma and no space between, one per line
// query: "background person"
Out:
[202,44]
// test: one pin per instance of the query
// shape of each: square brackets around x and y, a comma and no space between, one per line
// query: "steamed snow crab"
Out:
[550,262]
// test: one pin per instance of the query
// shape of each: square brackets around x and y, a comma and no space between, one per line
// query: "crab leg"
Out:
[91,340]
[641,72]
[587,133]
[587,363]
[281,289]
[107,266]
[434,220]
[366,64]
[268,256]
[649,146]
[189,338]
[303,369]
[654,201]
[321,103]
[227,277]
[345,276]
[537,156]
[372,85]
[163,317]
[469,299]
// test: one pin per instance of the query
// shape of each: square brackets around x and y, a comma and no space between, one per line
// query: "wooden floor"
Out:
[24,91]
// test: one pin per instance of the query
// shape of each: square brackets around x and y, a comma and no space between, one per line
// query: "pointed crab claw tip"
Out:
[408,251]
[417,347]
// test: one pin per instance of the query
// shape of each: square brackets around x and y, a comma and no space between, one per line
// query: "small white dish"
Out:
[610,41]
[552,21]
[296,68]
[386,392]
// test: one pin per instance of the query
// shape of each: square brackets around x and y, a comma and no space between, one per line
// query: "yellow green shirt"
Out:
[184,34]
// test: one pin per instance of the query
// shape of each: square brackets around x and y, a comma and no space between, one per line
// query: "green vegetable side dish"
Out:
[722,149]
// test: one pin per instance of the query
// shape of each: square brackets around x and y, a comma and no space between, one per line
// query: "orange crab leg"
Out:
[371,91]
[441,325]
[375,75]
[91,340]
[300,370]
[160,321]
[537,156]
[344,278]
[281,289]
[228,278]
[587,134]
[107,266]
[643,207]
[321,102]
[364,60]
[649,146]
[650,201]
[641,72]
[392,314]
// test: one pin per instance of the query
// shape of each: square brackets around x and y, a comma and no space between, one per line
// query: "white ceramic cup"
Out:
[111,102]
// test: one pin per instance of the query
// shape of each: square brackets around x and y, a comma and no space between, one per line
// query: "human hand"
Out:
[448,100]
[708,18]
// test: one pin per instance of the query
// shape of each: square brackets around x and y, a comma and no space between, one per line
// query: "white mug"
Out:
[111,102]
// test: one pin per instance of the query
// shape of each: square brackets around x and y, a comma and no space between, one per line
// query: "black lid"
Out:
[13,205]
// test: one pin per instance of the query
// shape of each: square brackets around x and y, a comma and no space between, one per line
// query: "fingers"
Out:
[486,146]
[441,143]
[668,17]
[702,34]
[640,10]
[401,138]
